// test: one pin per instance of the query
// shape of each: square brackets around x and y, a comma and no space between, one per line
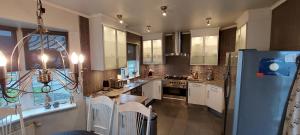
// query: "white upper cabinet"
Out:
[197,50]
[205,46]
[254,29]
[211,50]
[153,49]
[122,49]
[157,51]
[108,44]
[147,52]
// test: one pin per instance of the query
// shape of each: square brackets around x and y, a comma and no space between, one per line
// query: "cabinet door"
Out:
[122,49]
[211,50]
[147,52]
[110,47]
[157,89]
[197,94]
[215,98]
[197,51]
[147,91]
[243,37]
[157,52]
[237,39]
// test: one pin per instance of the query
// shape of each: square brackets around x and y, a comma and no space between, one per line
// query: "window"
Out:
[54,51]
[8,41]
[132,60]
[12,78]
[54,44]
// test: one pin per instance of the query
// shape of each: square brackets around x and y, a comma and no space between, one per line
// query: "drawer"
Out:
[196,84]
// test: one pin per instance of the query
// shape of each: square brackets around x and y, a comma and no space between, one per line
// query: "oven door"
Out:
[174,93]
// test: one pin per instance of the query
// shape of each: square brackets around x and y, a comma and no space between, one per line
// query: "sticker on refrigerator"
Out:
[272,66]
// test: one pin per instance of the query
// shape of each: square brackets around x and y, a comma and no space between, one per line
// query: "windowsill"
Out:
[42,111]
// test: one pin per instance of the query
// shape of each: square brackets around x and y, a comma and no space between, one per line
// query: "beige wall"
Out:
[22,13]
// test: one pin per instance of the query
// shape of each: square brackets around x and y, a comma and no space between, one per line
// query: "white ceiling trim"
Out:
[277,4]
[228,27]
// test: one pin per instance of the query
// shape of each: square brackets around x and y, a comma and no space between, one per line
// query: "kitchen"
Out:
[190,66]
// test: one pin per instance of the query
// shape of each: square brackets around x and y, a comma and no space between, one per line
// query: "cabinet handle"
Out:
[208,94]
[189,92]
[159,89]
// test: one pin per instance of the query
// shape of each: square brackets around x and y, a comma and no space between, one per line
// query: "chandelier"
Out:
[45,75]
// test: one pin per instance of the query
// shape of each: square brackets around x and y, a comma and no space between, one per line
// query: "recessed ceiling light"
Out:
[164,10]
[208,21]
[148,28]
[120,17]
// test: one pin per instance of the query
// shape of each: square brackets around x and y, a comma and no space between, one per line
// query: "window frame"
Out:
[26,31]
[13,31]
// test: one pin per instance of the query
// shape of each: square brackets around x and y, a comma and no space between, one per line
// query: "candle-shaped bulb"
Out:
[3,60]
[81,58]
[44,58]
[74,58]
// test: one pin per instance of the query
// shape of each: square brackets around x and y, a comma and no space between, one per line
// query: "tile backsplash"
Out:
[161,70]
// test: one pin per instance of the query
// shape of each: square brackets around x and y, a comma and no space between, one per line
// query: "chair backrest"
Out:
[100,115]
[131,119]
[6,121]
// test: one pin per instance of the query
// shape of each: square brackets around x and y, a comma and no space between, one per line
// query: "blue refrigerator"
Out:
[257,87]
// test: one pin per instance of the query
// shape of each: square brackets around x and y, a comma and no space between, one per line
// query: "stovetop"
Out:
[174,77]
[175,82]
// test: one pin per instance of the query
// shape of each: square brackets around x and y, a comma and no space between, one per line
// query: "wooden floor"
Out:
[176,118]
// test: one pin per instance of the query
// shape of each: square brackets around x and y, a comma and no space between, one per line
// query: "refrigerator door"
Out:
[231,67]
[262,87]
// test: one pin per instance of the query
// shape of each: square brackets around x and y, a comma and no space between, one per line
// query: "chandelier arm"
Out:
[5,90]
[69,82]
[59,79]
[65,76]
[27,82]
[14,50]
[25,77]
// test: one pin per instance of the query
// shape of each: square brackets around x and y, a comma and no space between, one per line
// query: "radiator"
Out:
[30,130]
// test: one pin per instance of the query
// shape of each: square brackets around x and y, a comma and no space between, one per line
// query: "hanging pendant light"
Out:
[208,21]
[148,28]
[120,18]
[164,10]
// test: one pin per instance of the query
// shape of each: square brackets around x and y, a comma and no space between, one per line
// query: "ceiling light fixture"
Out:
[148,28]
[208,21]
[120,17]
[164,10]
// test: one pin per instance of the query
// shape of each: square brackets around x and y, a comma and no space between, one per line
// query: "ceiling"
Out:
[182,14]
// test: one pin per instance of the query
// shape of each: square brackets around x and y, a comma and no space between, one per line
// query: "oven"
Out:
[175,87]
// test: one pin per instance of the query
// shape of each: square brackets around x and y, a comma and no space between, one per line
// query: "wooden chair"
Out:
[6,121]
[131,119]
[100,115]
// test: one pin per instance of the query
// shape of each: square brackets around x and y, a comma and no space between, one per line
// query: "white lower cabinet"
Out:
[215,98]
[152,90]
[197,94]
[157,89]
[206,95]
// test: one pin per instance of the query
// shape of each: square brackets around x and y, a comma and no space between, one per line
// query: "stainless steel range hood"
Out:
[177,46]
